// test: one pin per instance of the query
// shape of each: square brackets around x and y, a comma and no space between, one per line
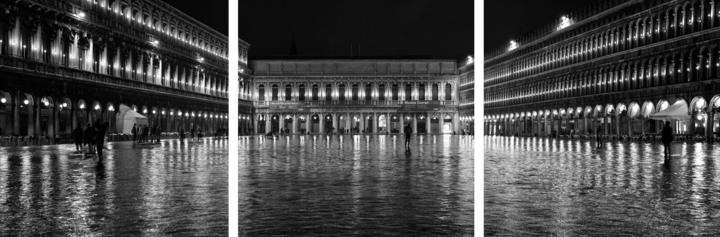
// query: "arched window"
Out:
[368,92]
[421,92]
[275,92]
[288,92]
[261,93]
[302,93]
[315,92]
[382,92]
[448,91]
[355,92]
[408,92]
[395,92]
[328,92]
[341,89]
[435,92]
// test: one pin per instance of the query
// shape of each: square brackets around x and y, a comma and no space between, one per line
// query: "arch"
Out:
[65,103]
[47,101]
[609,108]
[697,104]
[620,108]
[661,105]
[110,107]
[715,101]
[634,110]
[26,99]
[648,108]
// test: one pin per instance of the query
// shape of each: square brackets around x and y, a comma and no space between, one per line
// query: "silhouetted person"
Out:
[667,138]
[158,132]
[90,137]
[599,138]
[408,132]
[134,132]
[100,137]
[192,133]
[78,136]
[182,134]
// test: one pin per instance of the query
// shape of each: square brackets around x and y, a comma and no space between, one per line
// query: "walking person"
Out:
[182,134]
[158,132]
[134,132]
[78,136]
[89,136]
[192,133]
[599,138]
[152,134]
[667,138]
[100,138]
[408,131]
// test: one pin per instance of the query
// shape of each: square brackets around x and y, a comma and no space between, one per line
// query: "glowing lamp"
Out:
[26,101]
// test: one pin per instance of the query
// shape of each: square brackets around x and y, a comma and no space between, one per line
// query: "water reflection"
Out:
[356,185]
[537,186]
[169,189]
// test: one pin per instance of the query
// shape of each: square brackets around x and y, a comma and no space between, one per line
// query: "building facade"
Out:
[69,62]
[314,96]
[621,66]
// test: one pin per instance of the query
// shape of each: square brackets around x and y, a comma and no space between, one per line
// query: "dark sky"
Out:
[442,29]
[508,19]
[213,13]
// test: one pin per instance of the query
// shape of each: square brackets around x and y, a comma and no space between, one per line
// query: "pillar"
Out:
[376,120]
[268,123]
[322,123]
[335,121]
[16,116]
[617,126]
[281,122]
[31,117]
[441,123]
[629,133]
[428,121]
[348,120]
[255,125]
[642,126]
[402,123]
[710,126]
[414,123]
[294,124]
[308,123]
[691,126]
[362,122]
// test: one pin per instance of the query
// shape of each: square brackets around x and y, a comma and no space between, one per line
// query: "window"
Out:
[382,92]
[368,92]
[301,97]
[315,92]
[261,93]
[288,92]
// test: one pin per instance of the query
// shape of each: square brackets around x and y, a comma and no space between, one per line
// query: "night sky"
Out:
[213,13]
[442,29]
[508,19]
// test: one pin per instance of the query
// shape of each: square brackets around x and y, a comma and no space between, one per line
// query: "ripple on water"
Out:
[356,185]
[537,186]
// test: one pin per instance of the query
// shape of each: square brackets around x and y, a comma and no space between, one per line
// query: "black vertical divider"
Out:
[233,103]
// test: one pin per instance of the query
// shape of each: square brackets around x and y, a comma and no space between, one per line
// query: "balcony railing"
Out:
[76,74]
[393,103]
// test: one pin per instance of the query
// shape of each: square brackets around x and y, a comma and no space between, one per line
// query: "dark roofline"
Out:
[291,57]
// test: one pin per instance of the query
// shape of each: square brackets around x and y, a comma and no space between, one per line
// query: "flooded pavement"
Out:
[356,185]
[537,186]
[168,189]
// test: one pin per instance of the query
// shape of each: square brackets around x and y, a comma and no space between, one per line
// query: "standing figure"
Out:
[90,138]
[100,138]
[408,131]
[134,132]
[667,138]
[599,138]
[182,134]
[78,136]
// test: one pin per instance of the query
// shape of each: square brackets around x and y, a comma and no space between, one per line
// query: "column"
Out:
[16,116]
[308,123]
[348,119]
[376,121]
[255,125]
[456,121]
[294,124]
[31,117]
[322,123]
[281,122]
[267,123]
[441,123]
[691,125]
[335,121]
[414,123]
[710,125]
[617,126]
[428,121]
[362,122]
[629,133]
[402,123]
[606,126]
[642,126]
[388,122]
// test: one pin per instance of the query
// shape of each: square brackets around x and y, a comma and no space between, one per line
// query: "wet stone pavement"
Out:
[356,185]
[154,190]
[539,186]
